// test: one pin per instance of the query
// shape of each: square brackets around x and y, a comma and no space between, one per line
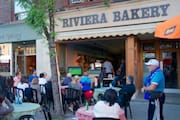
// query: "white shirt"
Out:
[108,66]
[22,86]
[102,109]
[42,81]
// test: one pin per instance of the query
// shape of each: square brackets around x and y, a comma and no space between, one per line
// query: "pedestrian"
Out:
[154,85]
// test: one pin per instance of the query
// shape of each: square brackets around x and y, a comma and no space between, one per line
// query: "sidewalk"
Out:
[139,108]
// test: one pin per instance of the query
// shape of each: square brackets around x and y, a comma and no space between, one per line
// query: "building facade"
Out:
[119,30]
[7,6]
[21,48]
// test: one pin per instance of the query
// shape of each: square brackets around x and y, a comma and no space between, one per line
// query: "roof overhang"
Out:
[106,32]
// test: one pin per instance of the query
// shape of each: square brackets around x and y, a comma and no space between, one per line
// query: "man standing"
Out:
[109,70]
[154,85]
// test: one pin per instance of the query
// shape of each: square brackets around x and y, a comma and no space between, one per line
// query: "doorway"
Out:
[169,65]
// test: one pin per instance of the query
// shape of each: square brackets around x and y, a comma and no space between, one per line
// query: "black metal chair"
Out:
[126,102]
[30,95]
[46,99]
[71,95]
[27,117]
[104,118]
[18,91]
[49,94]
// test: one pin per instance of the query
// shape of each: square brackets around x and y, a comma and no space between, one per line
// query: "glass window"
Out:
[169,44]
[5,50]
[76,1]
[148,46]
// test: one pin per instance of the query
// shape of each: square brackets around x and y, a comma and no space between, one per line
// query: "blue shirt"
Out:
[67,81]
[86,83]
[158,79]
[32,77]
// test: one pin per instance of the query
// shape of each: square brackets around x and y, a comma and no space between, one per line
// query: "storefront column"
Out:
[131,57]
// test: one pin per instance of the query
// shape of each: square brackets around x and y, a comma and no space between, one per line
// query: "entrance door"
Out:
[169,62]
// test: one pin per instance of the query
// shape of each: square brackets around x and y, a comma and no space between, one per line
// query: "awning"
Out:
[16,32]
[170,29]
[107,32]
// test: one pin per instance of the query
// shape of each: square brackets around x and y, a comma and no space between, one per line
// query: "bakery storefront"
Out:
[121,31]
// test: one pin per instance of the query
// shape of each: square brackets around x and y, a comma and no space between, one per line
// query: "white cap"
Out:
[153,62]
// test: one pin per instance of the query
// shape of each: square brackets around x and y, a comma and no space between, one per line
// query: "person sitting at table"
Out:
[5,109]
[67,80]
[75,85]
[33,76]
[107,107]
[23,84]
[86,83]
[129,88]
[35,85]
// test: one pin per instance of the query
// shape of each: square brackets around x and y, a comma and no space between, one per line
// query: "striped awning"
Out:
[107,32]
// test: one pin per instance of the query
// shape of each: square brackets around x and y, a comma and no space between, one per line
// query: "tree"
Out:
[40,15]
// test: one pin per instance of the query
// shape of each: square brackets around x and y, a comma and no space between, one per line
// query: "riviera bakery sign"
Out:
[124,15]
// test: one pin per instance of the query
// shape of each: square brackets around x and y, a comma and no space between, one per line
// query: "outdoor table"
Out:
[101,90]
[83,114]
[25,108]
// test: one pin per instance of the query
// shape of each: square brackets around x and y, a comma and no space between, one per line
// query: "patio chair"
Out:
[126,102]
[18,91]
[71,95]
[30,95]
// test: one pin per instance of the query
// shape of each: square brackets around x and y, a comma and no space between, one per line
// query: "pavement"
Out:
[139,108]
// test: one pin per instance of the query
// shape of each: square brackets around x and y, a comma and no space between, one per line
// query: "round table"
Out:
[24,109]
[83,114]
[101,90]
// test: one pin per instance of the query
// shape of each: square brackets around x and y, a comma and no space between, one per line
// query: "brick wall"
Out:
[6,11]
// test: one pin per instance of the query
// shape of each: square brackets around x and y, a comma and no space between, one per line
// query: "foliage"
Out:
[40,16]
[38,13]
[106,3]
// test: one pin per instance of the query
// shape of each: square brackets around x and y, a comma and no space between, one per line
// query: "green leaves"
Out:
[106,3]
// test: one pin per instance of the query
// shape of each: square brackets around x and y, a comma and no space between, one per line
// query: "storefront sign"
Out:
[117,16]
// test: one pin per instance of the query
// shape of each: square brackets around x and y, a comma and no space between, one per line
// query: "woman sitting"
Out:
[75,85]
[107,107]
